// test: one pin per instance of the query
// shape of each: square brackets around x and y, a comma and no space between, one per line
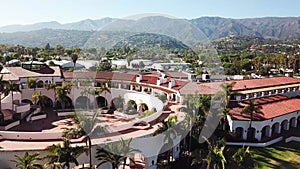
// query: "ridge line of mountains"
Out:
[78,33]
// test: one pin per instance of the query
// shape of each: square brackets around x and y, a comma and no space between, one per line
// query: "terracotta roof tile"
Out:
[264,82]
[209,88]
[268,109]
[100,75]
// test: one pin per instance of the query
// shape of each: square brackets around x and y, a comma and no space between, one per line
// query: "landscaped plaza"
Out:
[108,107]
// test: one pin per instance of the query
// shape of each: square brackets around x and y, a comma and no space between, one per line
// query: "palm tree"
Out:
[226,92]
[32,83]
[227,89]
[250,110]
[105,89]
[89,127]
[215,157]
[168,129]
[64,155]
[28,161]
[35,97]
[115,153]
[2,88]
[52,86]
[11,87]
[105,155]
[74,57]
[61,93]
[241,156]
[86,92]
[198,107]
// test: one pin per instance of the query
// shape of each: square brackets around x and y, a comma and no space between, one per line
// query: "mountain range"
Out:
[108,31]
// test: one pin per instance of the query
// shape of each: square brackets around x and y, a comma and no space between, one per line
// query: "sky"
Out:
[66,11]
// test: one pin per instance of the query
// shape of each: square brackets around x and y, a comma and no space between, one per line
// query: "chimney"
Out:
[138,78]
[158,82]
[171,83]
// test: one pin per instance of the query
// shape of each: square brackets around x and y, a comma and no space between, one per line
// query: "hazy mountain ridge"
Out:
[86,32]
[84,25]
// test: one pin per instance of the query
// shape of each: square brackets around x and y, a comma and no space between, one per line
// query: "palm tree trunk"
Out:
[124,162]
[90,150]
[12,100]
[0,102]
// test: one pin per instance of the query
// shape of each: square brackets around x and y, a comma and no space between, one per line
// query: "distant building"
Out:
[171,66]
[136,63]
[120,63]
[65,64]
[14,62]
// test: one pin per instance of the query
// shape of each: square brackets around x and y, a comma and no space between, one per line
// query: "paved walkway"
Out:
[54,123]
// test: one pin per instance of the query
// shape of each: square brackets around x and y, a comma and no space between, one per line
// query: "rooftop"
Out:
[261,83]
[271,107]
[19,72]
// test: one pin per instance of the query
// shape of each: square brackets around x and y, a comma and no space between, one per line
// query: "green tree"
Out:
[2,88]
[35,97]
[32,83]
[89,127]
[28,161]
[52,86]
[250,109]
[104,88]
[119,103]
[65,154]
[168,128]
[11,87]
[241,157]
[105,66]
[215,158]
[115,153]
[74,57]
[62,92]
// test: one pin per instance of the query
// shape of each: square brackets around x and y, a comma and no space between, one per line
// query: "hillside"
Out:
[150,40]
[86,33]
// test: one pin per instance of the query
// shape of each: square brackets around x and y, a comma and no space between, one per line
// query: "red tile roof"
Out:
[264,82]
[209,88]
[268,109]
[150,79]
[100,75]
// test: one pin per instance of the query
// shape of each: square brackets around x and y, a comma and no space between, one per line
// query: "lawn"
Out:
[279,156]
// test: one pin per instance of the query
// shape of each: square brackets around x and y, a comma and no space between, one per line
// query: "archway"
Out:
[101,101]
[275,128]
[68,104]
[27,101]
[118,103]
[293,122]
[284,125]
[143,107]
[266,131]
[251,133]
[40,84]
[131,104]
[82,102]
[45,102]
[239,132]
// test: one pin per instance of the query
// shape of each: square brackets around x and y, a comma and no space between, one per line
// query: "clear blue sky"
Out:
[64,11]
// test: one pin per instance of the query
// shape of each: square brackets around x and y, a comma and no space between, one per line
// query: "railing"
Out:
[255,144]
[292,138]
